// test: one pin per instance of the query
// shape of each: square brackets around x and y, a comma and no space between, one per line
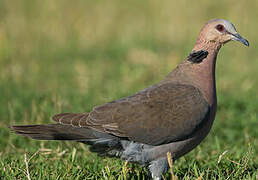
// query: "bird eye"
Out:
[220,28]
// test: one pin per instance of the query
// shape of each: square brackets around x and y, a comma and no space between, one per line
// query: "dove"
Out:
[173,115]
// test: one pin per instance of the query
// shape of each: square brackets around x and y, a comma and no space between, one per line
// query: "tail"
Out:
[54,132]
[101,143]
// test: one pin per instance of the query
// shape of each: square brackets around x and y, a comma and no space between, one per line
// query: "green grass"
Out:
[69,57]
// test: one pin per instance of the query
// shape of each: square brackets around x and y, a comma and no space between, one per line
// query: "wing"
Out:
[160,114]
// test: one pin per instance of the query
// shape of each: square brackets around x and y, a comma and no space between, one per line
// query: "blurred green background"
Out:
[58,56]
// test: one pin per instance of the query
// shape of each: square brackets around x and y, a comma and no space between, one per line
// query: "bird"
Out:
[173,115]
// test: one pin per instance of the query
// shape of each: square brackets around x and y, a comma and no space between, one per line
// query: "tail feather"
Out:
[53,132]
[101,143]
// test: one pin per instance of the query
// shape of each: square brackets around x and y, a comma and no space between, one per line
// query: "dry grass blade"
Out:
[200,177]
[36,153]
[170,163]
[27,167]
[234,162]
[124,169]
[73,154]
[220,157]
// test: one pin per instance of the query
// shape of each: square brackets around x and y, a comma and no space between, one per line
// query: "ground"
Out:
[68,57]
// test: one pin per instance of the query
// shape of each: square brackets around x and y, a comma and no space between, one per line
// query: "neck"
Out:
[205,71]
[201,75]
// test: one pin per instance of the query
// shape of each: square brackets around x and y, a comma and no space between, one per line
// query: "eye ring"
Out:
[220,27]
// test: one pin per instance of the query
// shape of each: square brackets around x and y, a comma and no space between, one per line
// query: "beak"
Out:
[237,37]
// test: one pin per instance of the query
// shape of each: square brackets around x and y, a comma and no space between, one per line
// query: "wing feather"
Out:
[160,114]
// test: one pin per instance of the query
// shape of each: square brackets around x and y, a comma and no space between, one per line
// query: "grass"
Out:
[62,56]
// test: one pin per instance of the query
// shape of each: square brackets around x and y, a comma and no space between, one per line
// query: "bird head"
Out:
[220,31]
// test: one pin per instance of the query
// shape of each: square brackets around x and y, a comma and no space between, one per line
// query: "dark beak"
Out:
[239,38]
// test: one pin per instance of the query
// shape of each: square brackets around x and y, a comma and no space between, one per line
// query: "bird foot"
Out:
[158,167]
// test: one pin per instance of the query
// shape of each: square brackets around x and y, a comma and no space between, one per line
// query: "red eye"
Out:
[220,27]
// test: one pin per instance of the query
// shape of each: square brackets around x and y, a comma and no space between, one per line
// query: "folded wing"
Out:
[160,114]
